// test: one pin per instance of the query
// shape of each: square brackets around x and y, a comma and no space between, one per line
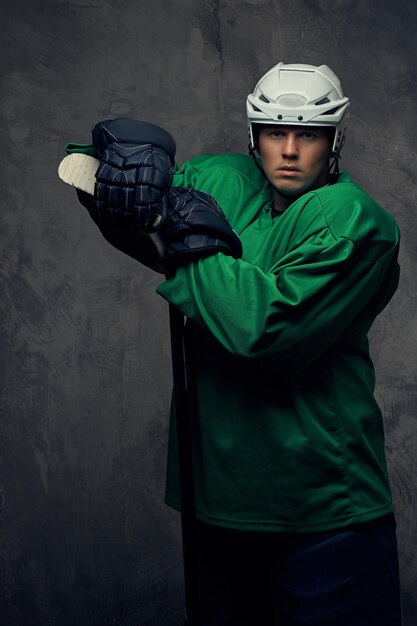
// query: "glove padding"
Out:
[136,171]
[195,227]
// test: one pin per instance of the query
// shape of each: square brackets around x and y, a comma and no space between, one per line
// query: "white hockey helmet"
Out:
[298,94]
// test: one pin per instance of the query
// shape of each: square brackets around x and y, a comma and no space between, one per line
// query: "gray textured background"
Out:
[84,369]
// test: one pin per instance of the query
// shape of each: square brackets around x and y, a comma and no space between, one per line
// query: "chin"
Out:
[290,190]
[299,187]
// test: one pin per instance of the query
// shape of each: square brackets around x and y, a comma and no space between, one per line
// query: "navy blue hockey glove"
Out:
[136,171]
[195,227]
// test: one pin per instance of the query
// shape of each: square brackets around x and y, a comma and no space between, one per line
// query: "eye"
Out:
[306,134]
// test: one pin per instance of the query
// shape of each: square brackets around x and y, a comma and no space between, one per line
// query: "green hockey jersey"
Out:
[288,435]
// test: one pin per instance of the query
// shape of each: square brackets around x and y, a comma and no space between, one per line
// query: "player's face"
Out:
[295,158]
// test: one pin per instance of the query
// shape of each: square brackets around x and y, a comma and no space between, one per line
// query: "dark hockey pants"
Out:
[346,577]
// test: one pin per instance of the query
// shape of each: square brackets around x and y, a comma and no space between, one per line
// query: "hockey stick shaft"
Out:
[183,397]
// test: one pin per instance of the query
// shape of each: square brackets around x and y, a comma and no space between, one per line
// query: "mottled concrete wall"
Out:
[85,374]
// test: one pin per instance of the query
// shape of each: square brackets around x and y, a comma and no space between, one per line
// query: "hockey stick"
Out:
[78,170]
[184,402]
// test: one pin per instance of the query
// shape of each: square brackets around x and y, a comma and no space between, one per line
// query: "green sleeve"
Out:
[291,314]
[83,148]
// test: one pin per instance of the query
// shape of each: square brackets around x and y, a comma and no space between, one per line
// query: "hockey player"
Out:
[295,523]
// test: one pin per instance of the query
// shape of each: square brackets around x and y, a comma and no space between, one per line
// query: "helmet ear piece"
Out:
[255,132]
[342,141]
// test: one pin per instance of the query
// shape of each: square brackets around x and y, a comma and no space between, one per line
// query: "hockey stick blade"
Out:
[79,170]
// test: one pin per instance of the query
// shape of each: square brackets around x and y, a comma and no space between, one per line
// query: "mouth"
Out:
[289,170]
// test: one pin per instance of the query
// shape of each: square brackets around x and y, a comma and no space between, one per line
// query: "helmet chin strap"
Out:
[255,160]
[332,176]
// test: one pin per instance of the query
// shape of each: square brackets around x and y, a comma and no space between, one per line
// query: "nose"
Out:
[290,146]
